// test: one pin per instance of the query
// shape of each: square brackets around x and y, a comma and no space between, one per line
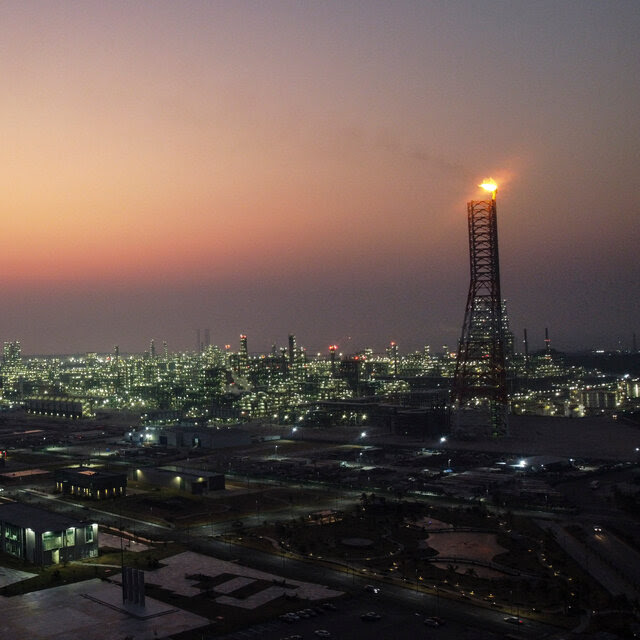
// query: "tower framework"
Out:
[479,390]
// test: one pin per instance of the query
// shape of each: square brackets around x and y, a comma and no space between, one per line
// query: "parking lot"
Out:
[346,623]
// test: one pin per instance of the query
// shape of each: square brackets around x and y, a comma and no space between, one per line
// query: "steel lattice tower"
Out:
[479,391]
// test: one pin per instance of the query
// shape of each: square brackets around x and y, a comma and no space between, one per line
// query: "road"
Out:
[398,604]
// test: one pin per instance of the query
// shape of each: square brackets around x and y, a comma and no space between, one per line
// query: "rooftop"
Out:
[40,520]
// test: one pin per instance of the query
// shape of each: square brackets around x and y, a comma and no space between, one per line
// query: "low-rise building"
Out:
[43,537]
[180,479]
[91,483]
[189,437]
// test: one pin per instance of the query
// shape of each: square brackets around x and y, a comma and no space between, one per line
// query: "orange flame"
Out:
[489,185]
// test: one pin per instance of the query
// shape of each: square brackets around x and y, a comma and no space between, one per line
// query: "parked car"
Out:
[370,616]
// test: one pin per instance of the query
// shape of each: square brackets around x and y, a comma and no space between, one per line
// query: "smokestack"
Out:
[332,351]
[547,344]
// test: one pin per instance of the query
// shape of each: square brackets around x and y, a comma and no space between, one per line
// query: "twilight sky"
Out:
[276,167]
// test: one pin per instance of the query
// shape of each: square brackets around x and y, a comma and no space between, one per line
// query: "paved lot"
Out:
[93,608]
[9,576]
[114,542]
[65,613]
[173,576]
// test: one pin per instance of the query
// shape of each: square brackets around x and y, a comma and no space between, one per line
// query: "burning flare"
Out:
[489,185]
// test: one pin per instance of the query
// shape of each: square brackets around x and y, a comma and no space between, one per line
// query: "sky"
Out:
[303,167]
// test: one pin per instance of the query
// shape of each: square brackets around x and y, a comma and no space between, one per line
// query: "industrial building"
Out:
[63,407]
[90,483]
[190,437]
[179,479]
[42,537]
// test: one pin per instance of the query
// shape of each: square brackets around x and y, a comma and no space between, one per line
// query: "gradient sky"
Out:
[276,167]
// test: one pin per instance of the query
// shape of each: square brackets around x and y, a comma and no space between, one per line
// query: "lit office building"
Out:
[42,537]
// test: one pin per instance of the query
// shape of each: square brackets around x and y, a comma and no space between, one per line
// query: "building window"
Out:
[88,534]
[11,532]
[14,548]
[51,540]
[71,537]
